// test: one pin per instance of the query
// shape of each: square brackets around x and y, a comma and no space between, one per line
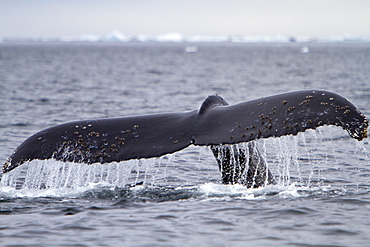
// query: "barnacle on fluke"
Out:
[216,122]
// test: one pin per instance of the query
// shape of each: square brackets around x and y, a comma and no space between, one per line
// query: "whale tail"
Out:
[215,124]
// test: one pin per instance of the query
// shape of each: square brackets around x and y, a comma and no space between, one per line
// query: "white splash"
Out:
[212,190]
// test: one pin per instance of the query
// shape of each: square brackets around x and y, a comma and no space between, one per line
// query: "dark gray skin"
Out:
[214,124]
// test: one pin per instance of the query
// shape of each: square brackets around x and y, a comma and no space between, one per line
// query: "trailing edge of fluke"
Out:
[216,122]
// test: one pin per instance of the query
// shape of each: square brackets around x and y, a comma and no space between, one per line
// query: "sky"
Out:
[306,18]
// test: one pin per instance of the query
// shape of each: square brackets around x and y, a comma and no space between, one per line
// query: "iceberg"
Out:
[89,38]
[82,38]
[145,38]
[349,39]
[260,39]
[170,37]
[200,38]
[115,36]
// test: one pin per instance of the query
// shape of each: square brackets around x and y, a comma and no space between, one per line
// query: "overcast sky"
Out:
[56,18]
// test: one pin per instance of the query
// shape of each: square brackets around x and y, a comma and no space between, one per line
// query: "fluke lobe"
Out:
[215,124]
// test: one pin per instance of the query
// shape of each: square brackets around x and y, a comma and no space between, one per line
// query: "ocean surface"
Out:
[322,195]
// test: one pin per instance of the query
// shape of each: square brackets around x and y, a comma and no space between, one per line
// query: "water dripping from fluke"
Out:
[301,165]
[52,175]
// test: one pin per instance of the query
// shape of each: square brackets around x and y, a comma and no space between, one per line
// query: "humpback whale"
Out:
[215,124]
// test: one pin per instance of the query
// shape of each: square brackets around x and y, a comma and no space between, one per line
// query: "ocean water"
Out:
[322,195]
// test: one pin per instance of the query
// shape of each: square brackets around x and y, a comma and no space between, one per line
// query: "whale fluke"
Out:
[215,123]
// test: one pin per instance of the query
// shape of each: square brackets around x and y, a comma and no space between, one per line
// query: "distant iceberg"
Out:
[82,38]
[115,36]
[203,38]
[170,37]
[90,38]
[348,39]
[144,38]
[260,39]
